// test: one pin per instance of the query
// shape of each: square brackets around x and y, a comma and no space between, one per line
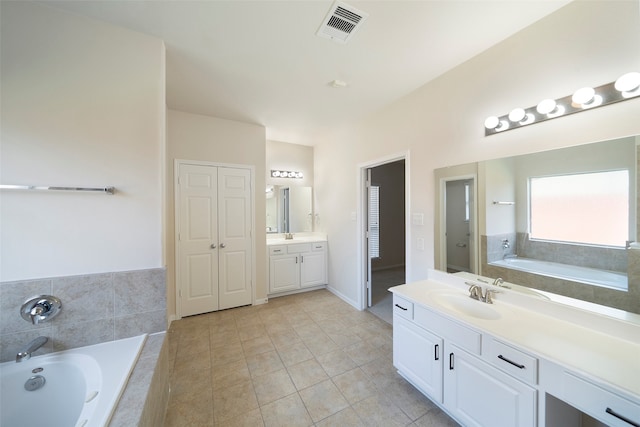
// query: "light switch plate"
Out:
[417,219]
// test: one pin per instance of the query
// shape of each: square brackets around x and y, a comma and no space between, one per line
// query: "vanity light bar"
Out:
[626,87]
[286,174]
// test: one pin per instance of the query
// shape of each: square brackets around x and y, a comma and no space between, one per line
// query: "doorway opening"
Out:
[385,235]
[458,225]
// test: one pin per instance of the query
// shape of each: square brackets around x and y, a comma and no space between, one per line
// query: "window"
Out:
[467,201]
[374,221]
[588,208]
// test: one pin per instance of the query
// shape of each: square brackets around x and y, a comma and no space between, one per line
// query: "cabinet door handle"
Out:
[296,260]
[436,350]
[501,357]
[401,307]
[451,361]
[301,258]
[621,417]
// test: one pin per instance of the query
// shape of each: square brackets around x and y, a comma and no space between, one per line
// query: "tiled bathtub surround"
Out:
[95,308]
[493,247]
[612,259]
[144,400]
[628,301]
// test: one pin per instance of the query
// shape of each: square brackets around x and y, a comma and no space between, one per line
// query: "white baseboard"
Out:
[261,301]
[170,319]
[340,295]
[297,291]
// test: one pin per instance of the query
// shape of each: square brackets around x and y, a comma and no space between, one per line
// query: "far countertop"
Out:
[278,239]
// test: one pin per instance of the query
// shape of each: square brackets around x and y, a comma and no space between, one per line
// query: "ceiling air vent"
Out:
[341,22]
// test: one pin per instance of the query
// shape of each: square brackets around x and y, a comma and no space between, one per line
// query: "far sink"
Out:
[463,304]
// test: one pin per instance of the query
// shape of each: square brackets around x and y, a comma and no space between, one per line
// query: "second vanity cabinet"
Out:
[296,266]
[443,359]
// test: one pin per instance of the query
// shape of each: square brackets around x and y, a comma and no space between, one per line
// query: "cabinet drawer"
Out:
[601,404]
[512,361]
[296,248]
[277,250]
[318,246]
[402,307]
[465,338]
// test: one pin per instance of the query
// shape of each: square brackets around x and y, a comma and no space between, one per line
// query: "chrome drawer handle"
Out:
[501,357]
[401,307]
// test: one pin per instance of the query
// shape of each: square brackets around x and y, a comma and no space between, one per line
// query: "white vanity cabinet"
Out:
[296,266]
[477,394]
[417,353]
[521,362]
[442,358]
[603,405]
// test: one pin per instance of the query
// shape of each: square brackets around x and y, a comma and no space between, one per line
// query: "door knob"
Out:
[213,246]
[222,245]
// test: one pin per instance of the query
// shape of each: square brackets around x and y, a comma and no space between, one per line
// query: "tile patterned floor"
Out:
[307,359]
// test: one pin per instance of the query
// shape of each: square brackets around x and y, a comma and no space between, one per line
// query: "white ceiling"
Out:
[261,62]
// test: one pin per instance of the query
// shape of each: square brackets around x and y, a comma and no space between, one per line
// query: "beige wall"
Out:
[290,157]
[82,106]
[441,123]
[204,138]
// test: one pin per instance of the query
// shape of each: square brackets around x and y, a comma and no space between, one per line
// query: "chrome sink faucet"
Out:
[33,346]
[485,295]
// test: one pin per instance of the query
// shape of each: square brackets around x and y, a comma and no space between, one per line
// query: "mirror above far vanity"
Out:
[289,209]
[561,221]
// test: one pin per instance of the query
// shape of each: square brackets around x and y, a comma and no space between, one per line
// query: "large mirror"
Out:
[563,221]
[289,209]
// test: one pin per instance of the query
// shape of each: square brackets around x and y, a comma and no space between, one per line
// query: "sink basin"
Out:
[462,304]
[530,292]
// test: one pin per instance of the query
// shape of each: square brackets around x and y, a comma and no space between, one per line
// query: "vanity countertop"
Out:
[296,239]
[598,346]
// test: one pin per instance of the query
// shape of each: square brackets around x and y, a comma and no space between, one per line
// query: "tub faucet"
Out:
[33,346]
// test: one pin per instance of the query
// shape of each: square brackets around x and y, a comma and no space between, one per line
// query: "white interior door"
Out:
[234,225]
[198,239]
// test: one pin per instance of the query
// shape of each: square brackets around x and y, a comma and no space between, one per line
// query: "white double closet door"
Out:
[214,238]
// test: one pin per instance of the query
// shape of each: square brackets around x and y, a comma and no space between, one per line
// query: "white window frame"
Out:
[578,242]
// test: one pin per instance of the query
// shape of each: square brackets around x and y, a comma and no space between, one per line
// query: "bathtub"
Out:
[81,386]
[592,276]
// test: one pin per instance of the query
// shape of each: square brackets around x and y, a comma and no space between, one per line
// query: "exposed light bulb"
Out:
[275,174]
[586,98]
[491,122]
[517,114]
[546,106]
[628,84]
[550,108]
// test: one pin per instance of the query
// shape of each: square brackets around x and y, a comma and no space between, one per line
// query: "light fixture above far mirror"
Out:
[275,173]
[625,87]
